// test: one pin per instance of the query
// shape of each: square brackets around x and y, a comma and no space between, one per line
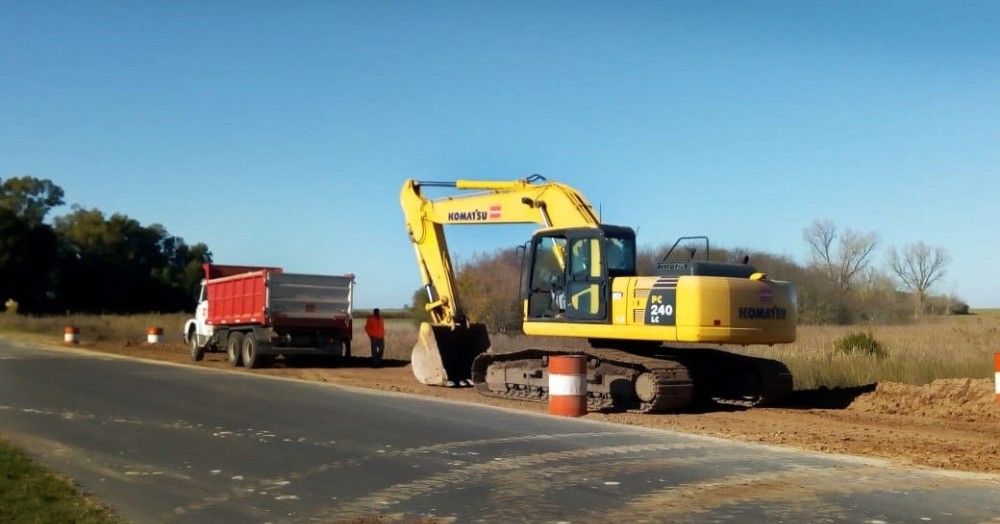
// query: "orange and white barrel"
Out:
[568,385]
[71,335]
[154,335]
[996,373]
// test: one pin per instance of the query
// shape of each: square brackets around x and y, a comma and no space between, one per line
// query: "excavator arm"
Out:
[532,200]
[447,345]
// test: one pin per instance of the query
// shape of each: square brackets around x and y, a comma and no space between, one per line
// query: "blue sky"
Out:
[280,133]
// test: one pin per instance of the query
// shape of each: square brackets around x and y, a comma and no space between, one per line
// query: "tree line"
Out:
[86,261]
[844,281]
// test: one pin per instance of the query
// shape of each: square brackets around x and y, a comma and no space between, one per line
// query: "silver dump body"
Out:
[293,296]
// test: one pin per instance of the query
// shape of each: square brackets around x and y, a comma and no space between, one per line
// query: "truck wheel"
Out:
[234,348]
[251,353]
[197,352]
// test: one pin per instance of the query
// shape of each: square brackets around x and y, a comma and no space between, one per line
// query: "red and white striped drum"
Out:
[568,385]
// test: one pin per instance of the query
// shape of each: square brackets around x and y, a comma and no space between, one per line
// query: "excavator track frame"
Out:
[731,378]
[669,380]
[612,376]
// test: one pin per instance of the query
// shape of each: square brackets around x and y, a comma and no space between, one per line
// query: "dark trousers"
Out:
[378,349]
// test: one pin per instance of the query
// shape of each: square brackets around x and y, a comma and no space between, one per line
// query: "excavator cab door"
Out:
[586,276]
[545,274]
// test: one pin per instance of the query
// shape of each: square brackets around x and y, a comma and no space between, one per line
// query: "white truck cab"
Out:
[197,331]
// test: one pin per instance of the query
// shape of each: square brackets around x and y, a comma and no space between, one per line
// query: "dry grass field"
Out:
[919,353]
[113,329]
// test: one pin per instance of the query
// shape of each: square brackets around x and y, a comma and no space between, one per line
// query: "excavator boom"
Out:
[528,201]
[446,345]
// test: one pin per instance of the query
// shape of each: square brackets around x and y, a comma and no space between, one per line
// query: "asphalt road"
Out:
[166,443]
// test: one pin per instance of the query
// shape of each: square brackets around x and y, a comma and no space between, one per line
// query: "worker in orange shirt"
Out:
[375,327]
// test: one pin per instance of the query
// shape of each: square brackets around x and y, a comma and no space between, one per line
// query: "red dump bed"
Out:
[268,296]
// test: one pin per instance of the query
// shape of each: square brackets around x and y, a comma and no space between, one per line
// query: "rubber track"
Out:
[776,382]
[721,376]
[674,388]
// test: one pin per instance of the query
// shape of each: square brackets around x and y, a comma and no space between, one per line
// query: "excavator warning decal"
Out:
[494,212]
[661,308]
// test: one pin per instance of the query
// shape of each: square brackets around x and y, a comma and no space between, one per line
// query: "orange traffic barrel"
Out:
[71,335]
[154,335]
[568,385]
[996,373]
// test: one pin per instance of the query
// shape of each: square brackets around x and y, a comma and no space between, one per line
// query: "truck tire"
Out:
[197,352]
[251,353]
[234,348]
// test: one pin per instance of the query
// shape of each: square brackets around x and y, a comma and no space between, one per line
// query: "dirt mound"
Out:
[966,400]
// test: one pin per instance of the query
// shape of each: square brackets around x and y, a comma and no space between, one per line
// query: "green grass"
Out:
[31,494]
[861,342]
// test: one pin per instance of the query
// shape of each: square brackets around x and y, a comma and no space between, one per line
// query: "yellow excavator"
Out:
[644,335]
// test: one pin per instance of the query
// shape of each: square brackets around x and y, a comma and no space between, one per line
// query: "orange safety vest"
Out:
[375,327]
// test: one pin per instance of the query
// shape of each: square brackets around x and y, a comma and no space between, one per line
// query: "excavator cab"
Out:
[569,272]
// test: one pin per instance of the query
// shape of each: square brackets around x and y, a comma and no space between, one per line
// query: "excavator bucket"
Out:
[443,354]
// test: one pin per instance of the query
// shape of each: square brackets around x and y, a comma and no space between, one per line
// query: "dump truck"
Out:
[258,313]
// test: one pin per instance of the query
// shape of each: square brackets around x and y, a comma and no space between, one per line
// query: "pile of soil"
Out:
[957,399]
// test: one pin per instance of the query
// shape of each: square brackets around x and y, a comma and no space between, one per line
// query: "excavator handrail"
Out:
[482,184]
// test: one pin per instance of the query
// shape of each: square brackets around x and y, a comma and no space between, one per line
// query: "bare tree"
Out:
[878,299]
[848,261]
[488,287]
[918,267]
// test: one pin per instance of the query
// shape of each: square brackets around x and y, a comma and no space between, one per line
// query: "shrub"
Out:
[959,308]
[861,342]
